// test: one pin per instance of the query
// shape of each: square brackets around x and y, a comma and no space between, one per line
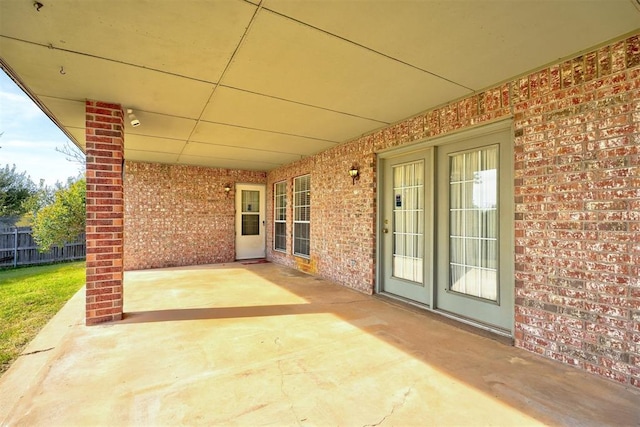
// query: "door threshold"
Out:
[457,321]
[249,261]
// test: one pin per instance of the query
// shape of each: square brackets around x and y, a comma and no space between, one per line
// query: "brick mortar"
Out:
[577,198]
[576,140]
[104,276]
[178,215]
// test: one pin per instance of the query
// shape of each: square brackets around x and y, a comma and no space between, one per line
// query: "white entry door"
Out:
[250,221]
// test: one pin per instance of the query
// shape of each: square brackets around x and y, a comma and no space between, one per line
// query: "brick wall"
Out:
[342,216]
[180,215]
[104,227]
[577,211]
[577,203]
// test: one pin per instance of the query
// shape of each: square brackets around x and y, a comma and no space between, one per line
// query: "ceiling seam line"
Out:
[115,61]
[142,67]
[249,148]
[229,158]
[158,137]
[272,131]
[306,105]
[208,157]
[247,91]
[368,48]
[213,122]
[224,72]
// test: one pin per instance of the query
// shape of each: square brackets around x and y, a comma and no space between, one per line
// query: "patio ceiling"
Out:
[258,84]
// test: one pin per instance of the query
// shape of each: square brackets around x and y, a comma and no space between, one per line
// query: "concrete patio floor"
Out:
[262,344]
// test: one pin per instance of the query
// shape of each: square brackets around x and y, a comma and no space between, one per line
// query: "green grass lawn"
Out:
[29,297]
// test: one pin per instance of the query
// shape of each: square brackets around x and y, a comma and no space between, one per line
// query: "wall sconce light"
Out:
[227,189]
[132,117]
[354,173]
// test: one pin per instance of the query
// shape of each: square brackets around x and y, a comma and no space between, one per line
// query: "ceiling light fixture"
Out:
[132,117]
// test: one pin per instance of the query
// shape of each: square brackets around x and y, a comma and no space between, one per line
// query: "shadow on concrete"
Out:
[185,314]
[544,390]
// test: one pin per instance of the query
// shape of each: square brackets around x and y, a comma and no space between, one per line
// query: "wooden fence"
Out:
[17,247]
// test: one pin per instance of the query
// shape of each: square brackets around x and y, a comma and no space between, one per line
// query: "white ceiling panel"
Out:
[223,163]
[236,153]
[257,111]
[159,126]
[77,136]
[233,136]
[321,70]
[73,112]
[158,145]
[295,77]
[135,32]
[103,80]
[453,38]
[149,156]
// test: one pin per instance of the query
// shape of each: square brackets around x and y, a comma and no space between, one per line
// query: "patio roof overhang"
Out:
[258,84]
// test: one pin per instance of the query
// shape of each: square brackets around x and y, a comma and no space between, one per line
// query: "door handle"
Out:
[385,230]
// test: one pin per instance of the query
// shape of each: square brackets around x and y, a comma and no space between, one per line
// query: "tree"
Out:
[73,154]
[64,219]
[44,195]
[15,188]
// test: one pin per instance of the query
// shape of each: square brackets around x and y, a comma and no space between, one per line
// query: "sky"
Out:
[29,138]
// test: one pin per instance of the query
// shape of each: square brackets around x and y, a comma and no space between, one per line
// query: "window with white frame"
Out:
[280,216]
[302,215]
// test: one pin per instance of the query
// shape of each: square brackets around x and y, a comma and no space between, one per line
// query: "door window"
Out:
[408,221]
[473,223]
[250,213]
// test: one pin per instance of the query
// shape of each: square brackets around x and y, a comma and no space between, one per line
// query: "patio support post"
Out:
[104,132]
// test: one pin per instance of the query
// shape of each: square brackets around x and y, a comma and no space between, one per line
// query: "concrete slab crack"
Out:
[37,351]
[276,341]
[393,409]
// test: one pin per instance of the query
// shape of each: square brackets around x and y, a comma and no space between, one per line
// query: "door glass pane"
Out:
[250,201]
[250,224]
[473,222]
[250,213]
[408,221]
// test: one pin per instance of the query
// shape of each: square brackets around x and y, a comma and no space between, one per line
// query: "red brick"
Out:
[186,198]
[577,195]
[104,150]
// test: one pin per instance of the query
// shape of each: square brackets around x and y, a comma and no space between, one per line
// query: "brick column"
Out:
[105,211]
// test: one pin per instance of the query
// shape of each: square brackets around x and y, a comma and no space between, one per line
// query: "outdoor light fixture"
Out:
[227,189]
[134,120]
[354,173]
